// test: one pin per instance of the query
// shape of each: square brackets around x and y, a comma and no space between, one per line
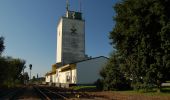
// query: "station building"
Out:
[73,66]
[79,73]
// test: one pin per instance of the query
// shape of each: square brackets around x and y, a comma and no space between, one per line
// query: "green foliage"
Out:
[1,44]
[26,76]
[99,84]
[2,69]
[23,78]
[113,78]
[83,87]
[33,79]
[141,37]
[10,68]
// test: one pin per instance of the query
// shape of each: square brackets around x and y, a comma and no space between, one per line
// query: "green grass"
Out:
[83,87]
[167,81]
[165,92]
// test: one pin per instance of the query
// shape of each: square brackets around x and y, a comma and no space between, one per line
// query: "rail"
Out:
[59,94]
[42,94]
[10,94]
[48,94]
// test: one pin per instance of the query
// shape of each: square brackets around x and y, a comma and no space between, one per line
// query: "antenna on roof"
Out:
[67,5]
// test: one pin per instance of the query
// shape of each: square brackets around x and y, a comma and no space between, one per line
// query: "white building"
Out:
[72,66]
[70,38]
[82,72]
[50,77]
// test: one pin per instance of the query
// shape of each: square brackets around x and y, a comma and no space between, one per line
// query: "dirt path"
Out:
[126,96]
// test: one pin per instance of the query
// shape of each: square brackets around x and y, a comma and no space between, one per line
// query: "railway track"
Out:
[10,94]
[42,93]
[38,92]
[47,94]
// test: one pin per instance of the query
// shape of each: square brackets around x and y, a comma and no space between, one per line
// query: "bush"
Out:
[99,84]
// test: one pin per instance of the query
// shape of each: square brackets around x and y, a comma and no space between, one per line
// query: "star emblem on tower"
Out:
[73,29]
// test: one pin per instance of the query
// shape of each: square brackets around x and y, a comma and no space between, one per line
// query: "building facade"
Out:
[81,72]
[70,38]
[72,65]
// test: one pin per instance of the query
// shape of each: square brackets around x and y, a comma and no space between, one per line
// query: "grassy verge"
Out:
[83,87]
[167,81]
[165,92]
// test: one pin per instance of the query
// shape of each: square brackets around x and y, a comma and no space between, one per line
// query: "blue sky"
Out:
[29,28]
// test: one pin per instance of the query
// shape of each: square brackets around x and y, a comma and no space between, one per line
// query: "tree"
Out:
[142,38]
[26,77]
[10,68]
[13,70]
[2,60]
[1,44]
[33,79]
[23,69]
[3,65]
[113,78]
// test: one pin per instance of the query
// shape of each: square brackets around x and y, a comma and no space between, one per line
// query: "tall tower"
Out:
[70,37]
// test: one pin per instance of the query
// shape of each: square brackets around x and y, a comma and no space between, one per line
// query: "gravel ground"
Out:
[28,94]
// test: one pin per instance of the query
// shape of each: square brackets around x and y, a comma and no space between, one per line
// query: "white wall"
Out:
[47,78]
[54,78]
[74,76]
[88,71]
[57,75]
[59,42]
[61,76]
[50,78]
